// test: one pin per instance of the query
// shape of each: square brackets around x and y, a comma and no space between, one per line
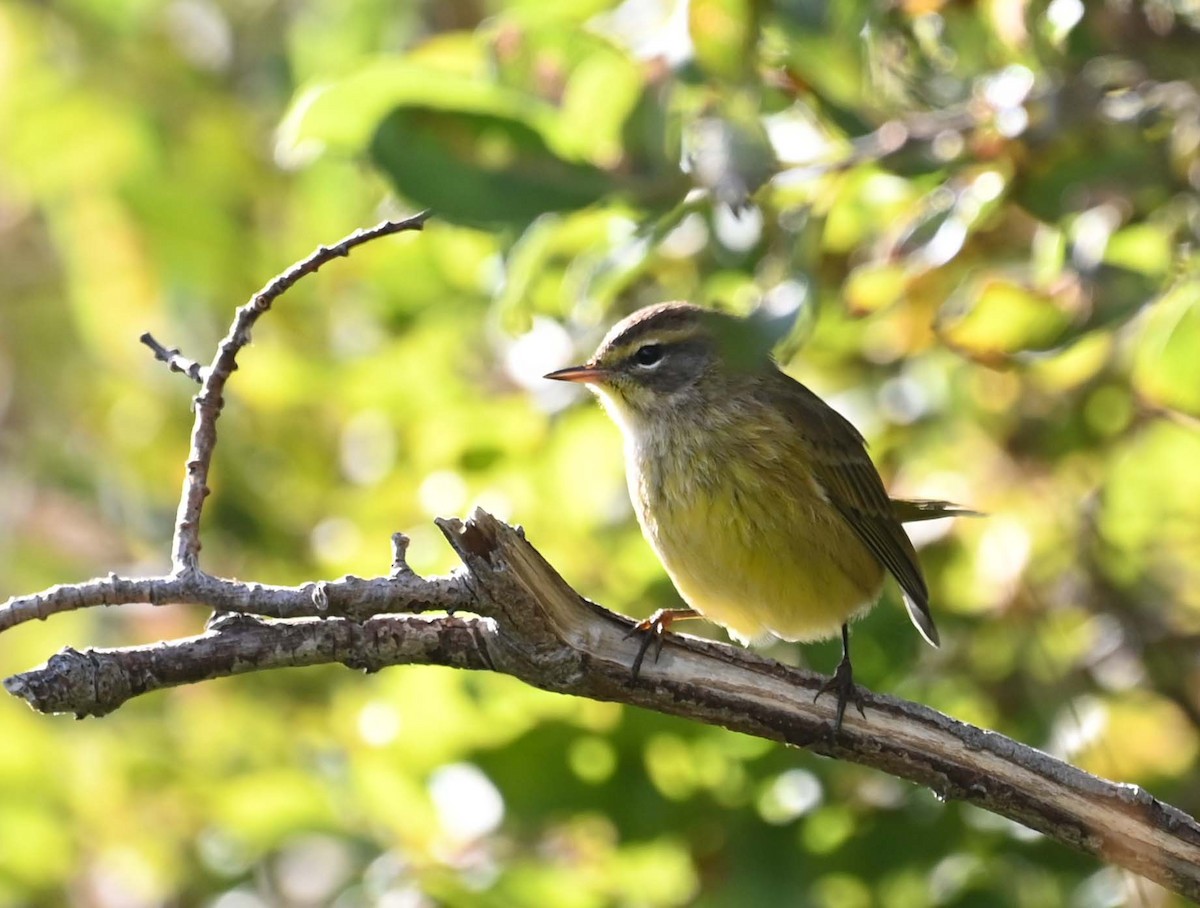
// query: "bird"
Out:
[759,498]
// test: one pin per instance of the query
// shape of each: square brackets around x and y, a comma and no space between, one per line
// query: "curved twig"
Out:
[527,622]
[185,546]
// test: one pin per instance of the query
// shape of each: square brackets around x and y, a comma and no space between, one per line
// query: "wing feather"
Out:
[845,474]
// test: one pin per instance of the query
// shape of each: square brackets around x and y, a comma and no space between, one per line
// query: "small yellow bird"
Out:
[757,496]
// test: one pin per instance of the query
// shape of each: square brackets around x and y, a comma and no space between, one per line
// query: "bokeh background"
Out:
[981,220]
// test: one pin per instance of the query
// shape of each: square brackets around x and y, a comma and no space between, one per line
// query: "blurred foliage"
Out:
[981,219]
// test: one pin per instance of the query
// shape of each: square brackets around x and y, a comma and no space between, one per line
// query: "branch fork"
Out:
[507,610]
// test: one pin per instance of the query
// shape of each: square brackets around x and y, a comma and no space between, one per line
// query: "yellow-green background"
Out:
[1038,358]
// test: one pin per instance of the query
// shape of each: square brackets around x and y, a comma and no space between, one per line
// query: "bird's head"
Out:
[665,361]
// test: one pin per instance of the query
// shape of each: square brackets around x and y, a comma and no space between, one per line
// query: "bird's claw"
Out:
[652,630]
[842,682]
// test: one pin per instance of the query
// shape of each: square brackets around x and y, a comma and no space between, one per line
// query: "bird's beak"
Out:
[584,375]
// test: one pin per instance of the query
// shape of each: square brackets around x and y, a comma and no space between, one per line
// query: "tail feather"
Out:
[919,613]
[912,510]
[907,510]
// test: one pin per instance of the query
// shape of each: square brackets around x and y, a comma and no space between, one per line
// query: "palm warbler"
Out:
[758,497]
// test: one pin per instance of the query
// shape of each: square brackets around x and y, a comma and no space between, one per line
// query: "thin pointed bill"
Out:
[584,375]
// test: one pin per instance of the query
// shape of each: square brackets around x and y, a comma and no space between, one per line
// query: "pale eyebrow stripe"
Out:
[660,337]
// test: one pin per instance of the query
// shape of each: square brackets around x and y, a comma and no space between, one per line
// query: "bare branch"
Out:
[527,622]
[97,681]
[174,360]
[539,630]
[349,597]
[185,547]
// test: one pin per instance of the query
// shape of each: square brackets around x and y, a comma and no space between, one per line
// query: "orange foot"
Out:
[653,629]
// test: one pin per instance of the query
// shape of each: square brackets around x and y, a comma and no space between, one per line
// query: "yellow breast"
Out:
[747,536]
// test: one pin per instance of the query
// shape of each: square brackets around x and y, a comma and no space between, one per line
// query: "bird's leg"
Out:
[843,682]
[653,629]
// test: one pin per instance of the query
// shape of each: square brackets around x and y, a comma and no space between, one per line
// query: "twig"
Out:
[536,628]
[185,547]
[530,624]
[349,597]
[174,360]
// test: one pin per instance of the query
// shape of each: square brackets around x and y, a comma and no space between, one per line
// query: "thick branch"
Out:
[185,548]
[538,629]
[97,681]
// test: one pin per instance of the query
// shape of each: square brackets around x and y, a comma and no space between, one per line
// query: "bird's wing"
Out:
[846,475]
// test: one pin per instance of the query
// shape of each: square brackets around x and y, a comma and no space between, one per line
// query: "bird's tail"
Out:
[919,613]
[912,510]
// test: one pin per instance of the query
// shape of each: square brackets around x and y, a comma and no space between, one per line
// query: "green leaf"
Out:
[1144,248]
[485,153]
[1167,362]
[831,67]
[724,33]
[1117,293]
[343,115]
[875,285]
[997,315]
[600,94]
[480,169]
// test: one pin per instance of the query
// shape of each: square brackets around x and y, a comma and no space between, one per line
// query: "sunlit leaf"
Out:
[143,187]
[874,286]
[601,93]
[995,316]
[1144,248]
[344,114]
[833,68]
[1076,363]
[538,12]
[1167,361]
[724,33]
[1143,735]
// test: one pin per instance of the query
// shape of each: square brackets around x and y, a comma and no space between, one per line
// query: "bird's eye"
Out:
[648,354]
